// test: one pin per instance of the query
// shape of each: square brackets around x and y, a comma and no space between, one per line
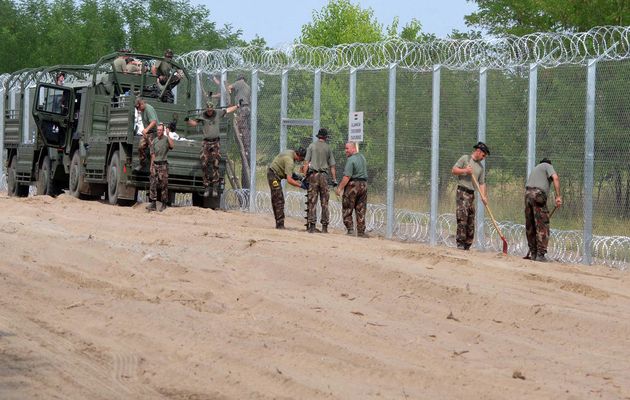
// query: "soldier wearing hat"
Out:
[282,168]
[536,212]
[150,122]
[466,167]
[319,165]
[163,69]
[209,120]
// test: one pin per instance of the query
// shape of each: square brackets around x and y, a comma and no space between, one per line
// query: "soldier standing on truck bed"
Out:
[158,180]
[150,121]
[211,145]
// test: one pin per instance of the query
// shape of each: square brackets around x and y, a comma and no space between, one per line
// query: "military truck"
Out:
[82,137]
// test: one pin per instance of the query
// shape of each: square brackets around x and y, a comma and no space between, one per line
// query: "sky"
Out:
[279,22]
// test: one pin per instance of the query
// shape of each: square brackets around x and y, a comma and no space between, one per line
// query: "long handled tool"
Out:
[494,222]
[529,252]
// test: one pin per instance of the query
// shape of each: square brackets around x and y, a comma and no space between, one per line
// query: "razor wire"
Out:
[413,226]
[508,52]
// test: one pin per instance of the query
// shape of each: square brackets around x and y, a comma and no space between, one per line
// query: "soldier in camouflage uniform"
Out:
[150,121]
[536,212]
[210,155]
[158,180]
[354,188]
[282,168]
[164,71]
[320,163]
[464,168]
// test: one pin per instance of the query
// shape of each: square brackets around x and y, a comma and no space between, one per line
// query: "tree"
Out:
[520,17]
[341,22]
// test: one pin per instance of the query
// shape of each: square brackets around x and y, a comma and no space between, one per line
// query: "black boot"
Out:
[350,232]
[310,228]
[151,206]
[280,225]
[324,228]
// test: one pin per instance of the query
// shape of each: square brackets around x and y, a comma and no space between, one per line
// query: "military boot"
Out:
[324,228]
[350,232]
[206,192]
[541,258]
[310,228]
[279,225]
[162,207]
[151,206]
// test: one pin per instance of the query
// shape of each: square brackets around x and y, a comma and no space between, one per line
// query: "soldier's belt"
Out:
[358,180]
[465,189]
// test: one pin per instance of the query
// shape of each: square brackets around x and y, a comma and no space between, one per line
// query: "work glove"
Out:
[297,177]
[304,185]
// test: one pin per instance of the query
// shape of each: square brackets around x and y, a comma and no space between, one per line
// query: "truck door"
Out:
[52,111]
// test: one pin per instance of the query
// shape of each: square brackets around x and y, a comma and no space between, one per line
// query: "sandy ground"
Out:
[103,302]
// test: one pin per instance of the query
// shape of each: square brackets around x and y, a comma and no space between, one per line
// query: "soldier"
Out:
[160,147]
[163,69]
[536,212]
[211,145]
[320,163]
[60,78]
[464,168]
[354,188]
[282,168]
[150,122]
[242,97]
[124,63]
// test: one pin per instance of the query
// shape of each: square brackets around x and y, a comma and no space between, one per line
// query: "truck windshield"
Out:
[53,100]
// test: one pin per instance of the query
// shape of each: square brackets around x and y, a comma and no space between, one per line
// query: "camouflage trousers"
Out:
[277,197]
[158,181]
[465,214]
[354,199]
[243,122]
[210,157]
[317,187]
[536,221]
[145,142]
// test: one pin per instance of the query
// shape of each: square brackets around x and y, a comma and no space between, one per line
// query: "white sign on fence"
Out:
[355,127]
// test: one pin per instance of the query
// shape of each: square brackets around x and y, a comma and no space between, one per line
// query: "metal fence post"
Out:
[224,93]
[26,136]
[589,160]
[481,136]
[435,154]
[284,107]
[352,106]
[198,91]
[532,109]
[254,139]
[391,150]
[317,96]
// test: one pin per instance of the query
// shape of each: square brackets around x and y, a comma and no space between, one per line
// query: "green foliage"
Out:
[49,32]
[521,17]
[341,22]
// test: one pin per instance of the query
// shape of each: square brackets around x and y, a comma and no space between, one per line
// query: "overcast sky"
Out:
[280,21]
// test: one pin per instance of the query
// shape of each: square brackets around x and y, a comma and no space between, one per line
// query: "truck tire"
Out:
[14,188]
[206,202]
[75,180]
[113,182]
[45,185]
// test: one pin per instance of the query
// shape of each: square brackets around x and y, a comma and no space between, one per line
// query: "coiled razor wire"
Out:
[547,49]
[413,226]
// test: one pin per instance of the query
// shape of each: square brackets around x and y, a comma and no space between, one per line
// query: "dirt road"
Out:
[102,302]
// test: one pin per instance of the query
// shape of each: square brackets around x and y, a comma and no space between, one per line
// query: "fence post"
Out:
[224,93]
[589,159]
[532,109]
[254,140]
[198,91]
[317,96]
[481,136]
[435,154]
[352,106]
[284,107]
[391,150]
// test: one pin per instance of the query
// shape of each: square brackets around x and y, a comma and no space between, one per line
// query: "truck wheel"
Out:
[206,202]
[113,178]
[75,180]
[45,184]
[14,188]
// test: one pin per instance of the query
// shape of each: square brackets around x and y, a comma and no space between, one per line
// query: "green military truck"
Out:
[82,136]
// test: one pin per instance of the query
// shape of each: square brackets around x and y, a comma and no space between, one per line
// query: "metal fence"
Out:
[561,96]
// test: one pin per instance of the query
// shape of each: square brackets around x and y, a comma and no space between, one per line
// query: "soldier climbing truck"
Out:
[83,136]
